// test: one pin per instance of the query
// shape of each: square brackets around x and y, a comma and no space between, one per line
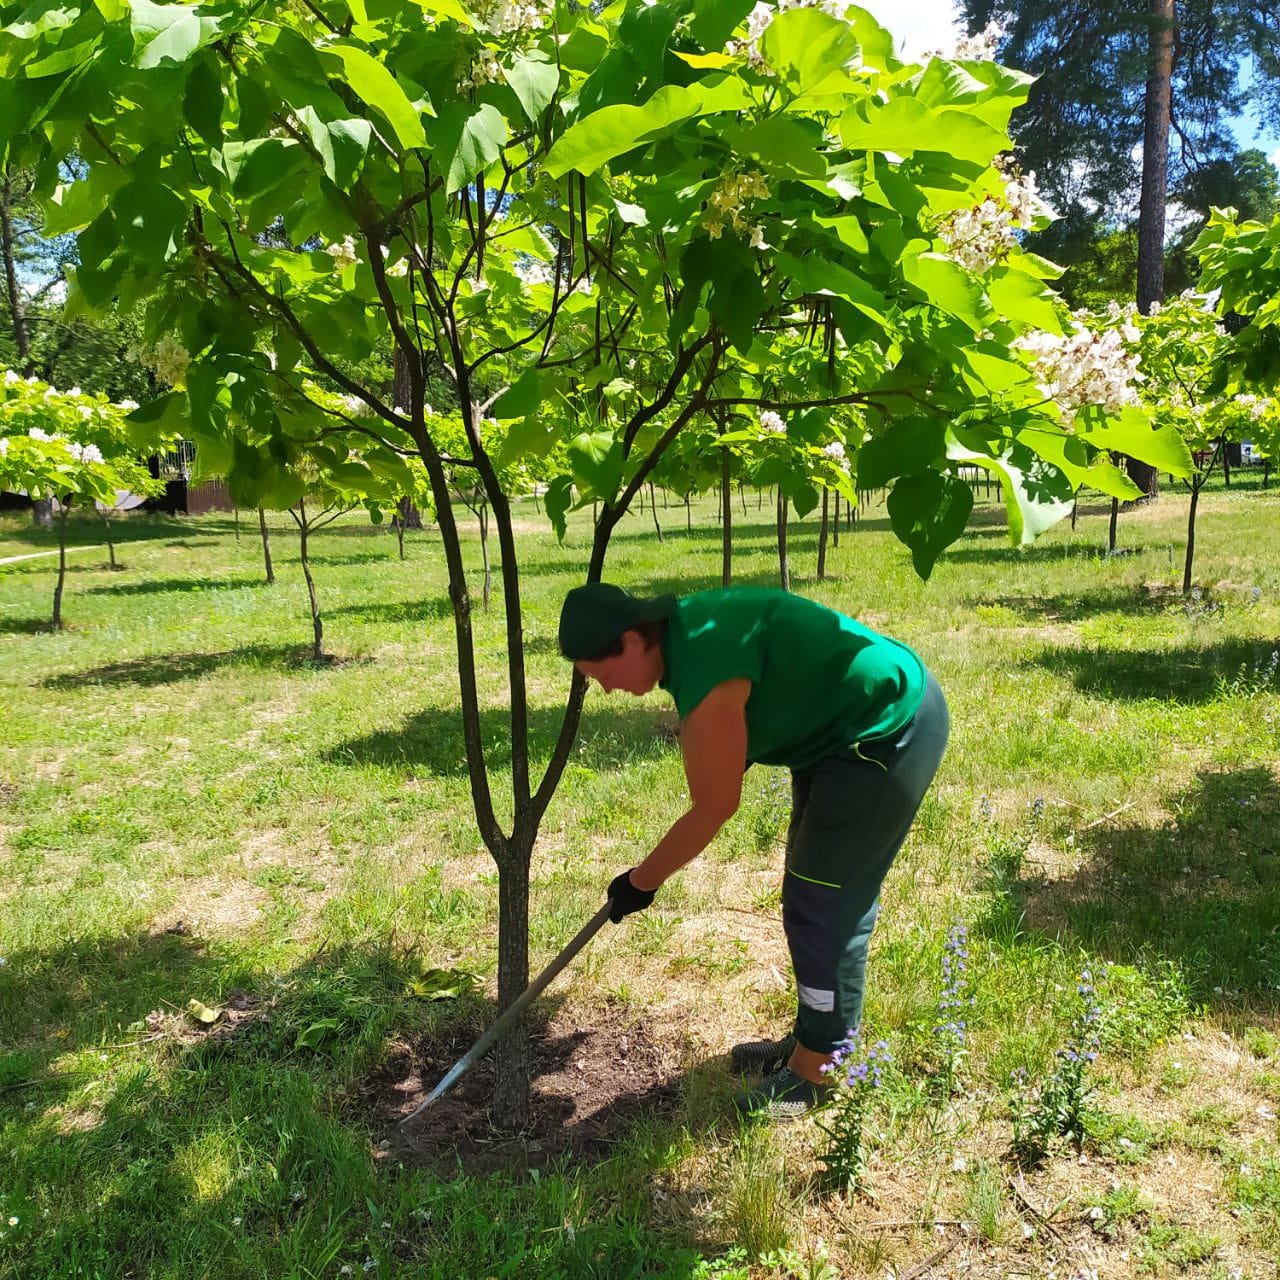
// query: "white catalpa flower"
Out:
[532,272]
[36,434]
[983,235]
[980,47]
[10,378]
[4,446]
[503,16]
[169,360]
[1084,367]
[726,202]
[835,451]
[343,253]
[84,452]
[772,423]
[484,69]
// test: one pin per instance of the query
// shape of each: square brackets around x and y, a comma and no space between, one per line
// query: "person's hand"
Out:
[626,898]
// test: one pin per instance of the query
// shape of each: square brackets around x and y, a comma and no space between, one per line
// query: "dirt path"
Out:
[35,555]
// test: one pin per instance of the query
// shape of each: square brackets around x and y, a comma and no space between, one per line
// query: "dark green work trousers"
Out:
[850,813]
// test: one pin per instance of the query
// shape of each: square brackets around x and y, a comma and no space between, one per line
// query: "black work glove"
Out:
[626,898]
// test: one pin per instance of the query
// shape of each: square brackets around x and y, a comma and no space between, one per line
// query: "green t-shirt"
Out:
[820,681]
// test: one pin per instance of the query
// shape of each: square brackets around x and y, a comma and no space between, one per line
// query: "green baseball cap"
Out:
[595,615]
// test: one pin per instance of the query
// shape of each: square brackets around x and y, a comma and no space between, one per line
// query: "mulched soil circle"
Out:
[592,1076]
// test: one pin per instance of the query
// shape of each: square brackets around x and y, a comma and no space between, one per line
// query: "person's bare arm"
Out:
[713,740]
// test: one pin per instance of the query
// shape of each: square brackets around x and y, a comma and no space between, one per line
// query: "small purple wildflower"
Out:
[951,1028]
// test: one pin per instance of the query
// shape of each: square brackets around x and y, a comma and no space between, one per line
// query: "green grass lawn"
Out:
[190,810]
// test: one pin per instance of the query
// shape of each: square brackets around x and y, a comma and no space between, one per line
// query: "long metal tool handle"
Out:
[521,1003]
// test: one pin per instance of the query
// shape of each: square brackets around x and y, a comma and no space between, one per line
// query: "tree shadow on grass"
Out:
[1036,553]
[168,668]
[431,740]
[118,1150]
[1072,606]
[25,626]
[394,611]
[1202,891]
[1179,673]
[161,586]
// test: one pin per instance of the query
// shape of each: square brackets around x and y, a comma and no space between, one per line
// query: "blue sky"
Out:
[931,24]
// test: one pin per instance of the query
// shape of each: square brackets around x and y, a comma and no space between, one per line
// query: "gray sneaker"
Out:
[761,1057]
[781,1096]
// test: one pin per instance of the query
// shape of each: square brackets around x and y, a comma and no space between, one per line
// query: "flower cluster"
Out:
[504,16]
[725,205]
[952,1028]
[168,360]
[484,69]
[771,423]
[856,1071]
[763,14]
[981,236]
[981,46]
[835,451]
[1084,367]
[859,1066]
[84,452]
[343,253]
[1058,1106]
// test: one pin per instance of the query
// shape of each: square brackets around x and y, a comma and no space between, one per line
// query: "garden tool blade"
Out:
[511,1016]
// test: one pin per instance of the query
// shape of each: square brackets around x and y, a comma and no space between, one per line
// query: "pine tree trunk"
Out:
[1155,187]
[822,538]
[784,568]
[266,546]
[62,567]
[317,627]
[1191,536]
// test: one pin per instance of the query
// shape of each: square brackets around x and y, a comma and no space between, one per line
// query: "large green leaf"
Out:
[814,274]
[150,220]
[556,501]
[376,86]
[202,103]
[876,40]
[1037,494]
[534,79]
[906,125]
[531,437]
[519,399]
[262,165]
[1023,298]
[613,131]
[786,146]
[467,140]
[948,286]
[806,49]
[342,145]
[595,458]
[168,34]
[908,447]
[713,21]
[1130,432]
[929,512]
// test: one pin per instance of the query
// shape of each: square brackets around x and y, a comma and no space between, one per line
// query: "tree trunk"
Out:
[1191,536]
[1155,185]
[484,553]
[407,515]
[1111,533]
[1226,465]
[742,495]
[688,513]
[111,549]
[235,516]
[835,524]
[317,627]
[511,1086]
[726,518]
[400,536]
[822,538]
[62,567]
[266,546]
[1266,472]
[1075,511]
[9,250]
[653,506]
[784,569]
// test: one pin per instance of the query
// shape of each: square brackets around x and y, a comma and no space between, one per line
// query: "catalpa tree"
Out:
[598,227]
